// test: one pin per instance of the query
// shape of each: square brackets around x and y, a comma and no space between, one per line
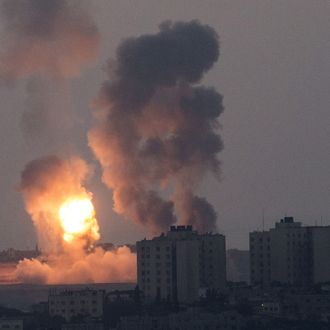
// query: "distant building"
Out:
[106,246]
[238,265]
[179,265]
[270,308]
[290,253]
[70,303]
[13,255]
[11,324]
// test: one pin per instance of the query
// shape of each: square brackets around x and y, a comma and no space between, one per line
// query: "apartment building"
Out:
[70,303]
[180,265]
[290,253]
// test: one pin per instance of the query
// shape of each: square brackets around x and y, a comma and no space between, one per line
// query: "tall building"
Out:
[180,265]
[290,253]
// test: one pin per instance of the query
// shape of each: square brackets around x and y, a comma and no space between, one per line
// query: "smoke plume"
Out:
[46,41]
[66,233]
[53,37]
[46,184]
[97,267]
[156,132]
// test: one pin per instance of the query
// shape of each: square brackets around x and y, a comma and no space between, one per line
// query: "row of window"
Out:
[158,256]
[147,248]
[72,302]
[72,311]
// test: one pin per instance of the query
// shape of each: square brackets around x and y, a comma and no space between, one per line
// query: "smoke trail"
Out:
[54,37]
[157,127]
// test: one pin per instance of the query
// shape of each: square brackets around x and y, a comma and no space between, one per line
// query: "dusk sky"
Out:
[274,74]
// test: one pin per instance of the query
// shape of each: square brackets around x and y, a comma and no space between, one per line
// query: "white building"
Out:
[179,265]
[70,303]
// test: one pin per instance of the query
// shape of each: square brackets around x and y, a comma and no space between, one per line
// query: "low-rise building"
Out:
[70,303]
[11,324]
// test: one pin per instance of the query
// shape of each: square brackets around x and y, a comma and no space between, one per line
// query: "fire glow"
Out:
[63,213]
[77,217]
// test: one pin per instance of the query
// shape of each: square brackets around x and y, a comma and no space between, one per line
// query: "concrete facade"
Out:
[290,254]
[70,303]
[321,254]
[178,265]
[11,324]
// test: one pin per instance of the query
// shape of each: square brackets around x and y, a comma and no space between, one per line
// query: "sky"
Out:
[274,74]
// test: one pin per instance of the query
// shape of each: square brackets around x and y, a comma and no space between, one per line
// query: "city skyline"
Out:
[272,72]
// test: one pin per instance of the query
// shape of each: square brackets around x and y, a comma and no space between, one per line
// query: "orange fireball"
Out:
[77,218]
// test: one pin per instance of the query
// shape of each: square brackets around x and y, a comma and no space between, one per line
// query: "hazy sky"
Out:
[274,74]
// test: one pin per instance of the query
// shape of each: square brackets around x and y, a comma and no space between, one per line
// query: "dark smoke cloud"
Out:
[157,135]
[55,37]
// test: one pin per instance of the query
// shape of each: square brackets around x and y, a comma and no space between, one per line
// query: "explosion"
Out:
[155,136]
[64,216]
[77,219]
